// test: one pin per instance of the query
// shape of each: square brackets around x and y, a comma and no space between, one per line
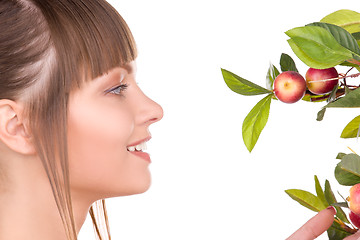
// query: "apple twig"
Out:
[351,150]
[337,78]
[345,227]
[339,93]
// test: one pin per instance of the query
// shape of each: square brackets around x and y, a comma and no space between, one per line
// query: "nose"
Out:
[149,111]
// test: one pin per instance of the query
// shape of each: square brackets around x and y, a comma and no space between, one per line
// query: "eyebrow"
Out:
[110,77]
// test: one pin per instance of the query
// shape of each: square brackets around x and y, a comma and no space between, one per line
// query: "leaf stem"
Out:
[354,61]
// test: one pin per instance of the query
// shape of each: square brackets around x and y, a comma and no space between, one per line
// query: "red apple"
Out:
[355,219]
[354,199]
[289,87]
[321,81]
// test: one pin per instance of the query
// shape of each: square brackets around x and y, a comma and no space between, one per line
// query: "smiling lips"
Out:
[138,148]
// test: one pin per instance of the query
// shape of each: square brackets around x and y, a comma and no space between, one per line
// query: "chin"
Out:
[137,187]
[141,188]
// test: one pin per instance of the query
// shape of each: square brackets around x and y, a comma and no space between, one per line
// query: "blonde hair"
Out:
[47,49]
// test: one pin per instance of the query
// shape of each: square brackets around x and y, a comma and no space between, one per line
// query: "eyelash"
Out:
[118,90]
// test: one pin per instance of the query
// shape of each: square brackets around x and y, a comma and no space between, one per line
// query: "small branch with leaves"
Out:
[322,46]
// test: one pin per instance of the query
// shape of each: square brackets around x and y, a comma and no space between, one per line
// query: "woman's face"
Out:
[108,126]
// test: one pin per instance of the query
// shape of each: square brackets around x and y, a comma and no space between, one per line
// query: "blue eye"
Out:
[118,89]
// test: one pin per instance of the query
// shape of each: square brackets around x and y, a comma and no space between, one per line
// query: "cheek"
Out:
[99,161]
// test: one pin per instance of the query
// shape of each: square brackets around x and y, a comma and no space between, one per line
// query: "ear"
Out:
[13,131]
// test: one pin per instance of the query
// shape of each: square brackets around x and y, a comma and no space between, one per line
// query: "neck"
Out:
[28,209]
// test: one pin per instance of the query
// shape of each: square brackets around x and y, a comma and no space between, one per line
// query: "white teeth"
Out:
[139,147]
[131,149]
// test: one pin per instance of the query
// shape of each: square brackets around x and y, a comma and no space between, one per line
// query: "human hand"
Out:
[317,225]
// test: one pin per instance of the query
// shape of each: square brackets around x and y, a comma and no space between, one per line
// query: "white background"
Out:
[206,185]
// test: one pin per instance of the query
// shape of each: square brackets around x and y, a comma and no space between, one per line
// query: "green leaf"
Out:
[320,114]
[320,192]
[351,164]
[336,232]
[329,195]
[331,98]
[347,90]
[272,73]
[350,100]
[303,56]
[241,85]
[330,198]
[345,178]
[356,35]
[316,47]
[347,171]
[340,155]
[348,64]
[332,95]
[255,122]
[287,63]
[347,19]
[306,199]
[343,37]
[352,129]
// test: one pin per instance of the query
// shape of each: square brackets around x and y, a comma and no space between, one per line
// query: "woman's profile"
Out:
[73,122]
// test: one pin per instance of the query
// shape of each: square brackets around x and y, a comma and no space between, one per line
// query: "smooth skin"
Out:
[318,225]
[105,117]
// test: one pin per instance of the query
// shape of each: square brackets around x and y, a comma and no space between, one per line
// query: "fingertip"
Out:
[332,208]
[316,225]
